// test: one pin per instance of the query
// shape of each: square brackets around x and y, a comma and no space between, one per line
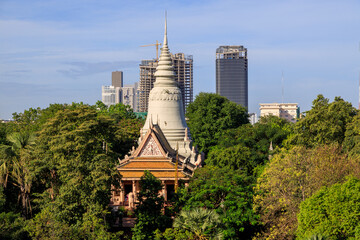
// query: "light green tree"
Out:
[291,177]
[325,123]
[332,211]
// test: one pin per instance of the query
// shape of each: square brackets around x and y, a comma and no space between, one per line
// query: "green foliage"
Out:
[148,212]
[227,191]
[3,132]
[316,237]
[76,160]
[202,223]
[352,136]
[235,157]
[325,123]
[118,111]
[291,177]
[15,166]
[174,234]
[333,211]
[209,115]
[247,147]
[12,226]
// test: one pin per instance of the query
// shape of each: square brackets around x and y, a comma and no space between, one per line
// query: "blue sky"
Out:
[62,51]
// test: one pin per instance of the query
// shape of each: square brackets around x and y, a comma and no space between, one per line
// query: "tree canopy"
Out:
[325,123]
[332,211]
[148,213]
[227,191]
[290,178]
[209,115]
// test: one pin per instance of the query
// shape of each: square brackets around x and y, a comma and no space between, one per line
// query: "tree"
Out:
[174,234]
[228,192]
[352,136]
[118,111]
[290,178]
[235,157]
[148,213]
[332,211]
[76,165]
[209,115]
[11,224]
[325,123]
[14,166]
[202,223]
[247,147]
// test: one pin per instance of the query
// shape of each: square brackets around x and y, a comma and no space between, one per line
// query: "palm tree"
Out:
[203,223]
[14,166]
[316,237]
[6,159]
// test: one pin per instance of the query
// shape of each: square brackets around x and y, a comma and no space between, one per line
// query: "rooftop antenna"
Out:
[282,87]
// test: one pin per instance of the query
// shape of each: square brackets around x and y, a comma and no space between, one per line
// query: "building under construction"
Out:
[183,68]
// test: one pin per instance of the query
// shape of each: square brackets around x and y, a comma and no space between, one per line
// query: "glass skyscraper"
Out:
[232,73]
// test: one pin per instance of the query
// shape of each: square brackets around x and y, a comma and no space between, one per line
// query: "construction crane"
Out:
[157,44]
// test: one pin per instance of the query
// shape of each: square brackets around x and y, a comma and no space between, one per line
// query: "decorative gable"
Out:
[150,148]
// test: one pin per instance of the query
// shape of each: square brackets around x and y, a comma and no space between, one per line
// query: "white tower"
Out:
[166,105]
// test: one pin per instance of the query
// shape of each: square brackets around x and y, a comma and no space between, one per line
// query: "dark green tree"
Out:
[11,224]
[230,193]
[209,115]
[332,211]
[247,147]
[352,136]
[148,213]
[76,164]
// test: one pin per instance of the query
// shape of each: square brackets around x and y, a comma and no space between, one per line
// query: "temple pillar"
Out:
[137,190]
[122,192]
[134,189]
[164,190]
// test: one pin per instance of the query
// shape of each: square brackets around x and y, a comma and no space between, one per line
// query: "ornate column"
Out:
[134,190]
[122,192]
[137,190]
[164,190]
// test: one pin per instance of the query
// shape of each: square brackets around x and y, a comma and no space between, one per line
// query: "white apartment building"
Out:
[110,95]
[288,111]
[130,96]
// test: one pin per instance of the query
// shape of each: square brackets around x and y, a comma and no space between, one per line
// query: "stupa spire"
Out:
[166,105]
[165,35]
[165,71]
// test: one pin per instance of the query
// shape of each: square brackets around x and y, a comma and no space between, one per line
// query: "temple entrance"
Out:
[170,191]
[127,189]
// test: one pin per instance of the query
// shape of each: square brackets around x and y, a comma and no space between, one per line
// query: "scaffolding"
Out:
[183,68]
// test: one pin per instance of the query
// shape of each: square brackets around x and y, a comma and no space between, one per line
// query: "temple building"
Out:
[164,147]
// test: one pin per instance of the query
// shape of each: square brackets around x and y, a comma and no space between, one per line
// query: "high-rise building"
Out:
[288,111]
[183,68]
[232,73]
[117,79]
[130,96]
[253,118]
[110,95]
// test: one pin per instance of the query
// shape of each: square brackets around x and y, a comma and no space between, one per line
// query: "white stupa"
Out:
[166,107]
